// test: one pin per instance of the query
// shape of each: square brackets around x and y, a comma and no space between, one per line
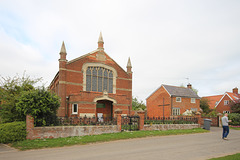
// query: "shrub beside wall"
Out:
[235,117]
[12,132]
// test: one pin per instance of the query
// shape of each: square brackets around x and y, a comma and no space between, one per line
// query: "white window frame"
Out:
[73,108]
[193,100]
[175,111]
[226,112]
[194,109]
[180,99]
[226,102]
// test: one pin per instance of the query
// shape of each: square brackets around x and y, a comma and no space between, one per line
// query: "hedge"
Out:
[12,132]
[235,117]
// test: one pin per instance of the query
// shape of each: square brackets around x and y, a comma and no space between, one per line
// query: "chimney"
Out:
[189,86]
[235,90]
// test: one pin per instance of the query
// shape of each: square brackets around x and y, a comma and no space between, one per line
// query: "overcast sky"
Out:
[170,42]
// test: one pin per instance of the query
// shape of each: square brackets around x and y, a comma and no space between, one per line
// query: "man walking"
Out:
[225,126]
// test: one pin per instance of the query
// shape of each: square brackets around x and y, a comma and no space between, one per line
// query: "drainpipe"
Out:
[67,108]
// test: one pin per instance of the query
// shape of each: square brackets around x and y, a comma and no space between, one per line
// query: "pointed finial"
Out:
[129,63]
[100,39]
[129,66]
[100,42]
[63,49]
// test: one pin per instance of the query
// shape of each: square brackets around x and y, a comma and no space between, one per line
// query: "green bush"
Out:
[235,117]
[12,132]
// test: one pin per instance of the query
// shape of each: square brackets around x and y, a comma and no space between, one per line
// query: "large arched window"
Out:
[99,79]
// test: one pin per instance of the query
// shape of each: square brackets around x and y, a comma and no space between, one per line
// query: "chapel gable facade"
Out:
[92,85]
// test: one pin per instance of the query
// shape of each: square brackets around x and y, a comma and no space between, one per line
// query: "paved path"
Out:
[5,148]
[182,147]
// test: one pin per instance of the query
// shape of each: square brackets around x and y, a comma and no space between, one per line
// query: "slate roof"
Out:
[180,91]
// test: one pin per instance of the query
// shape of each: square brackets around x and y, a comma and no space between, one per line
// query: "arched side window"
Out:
[99,77]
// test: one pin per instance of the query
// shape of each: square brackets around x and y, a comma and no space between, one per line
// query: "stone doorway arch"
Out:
[105,106]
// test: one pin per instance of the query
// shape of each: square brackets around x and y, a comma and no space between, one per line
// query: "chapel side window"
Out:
[110,84]
[99,79]
[94,79]
[105,80]
[89,79]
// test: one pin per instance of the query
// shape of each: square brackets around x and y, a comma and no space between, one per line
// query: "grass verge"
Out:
[230,157]
[235,128]
[81,140]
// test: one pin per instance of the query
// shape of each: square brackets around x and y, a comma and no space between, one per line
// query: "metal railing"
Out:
[77,121]
[171,120]
[130,123]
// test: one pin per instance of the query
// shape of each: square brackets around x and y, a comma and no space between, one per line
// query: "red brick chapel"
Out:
[92,85]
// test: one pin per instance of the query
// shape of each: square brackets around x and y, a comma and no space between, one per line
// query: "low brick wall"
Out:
[214,121]
[162,127]
[69,131]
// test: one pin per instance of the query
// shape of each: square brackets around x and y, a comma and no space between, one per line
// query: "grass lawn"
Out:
[236,128]
[230,157]
[60,142]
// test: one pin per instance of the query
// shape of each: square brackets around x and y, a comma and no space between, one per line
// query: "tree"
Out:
[137,105]
[39,103]
[204,105]
[235,107]
[10,91]
[235,117]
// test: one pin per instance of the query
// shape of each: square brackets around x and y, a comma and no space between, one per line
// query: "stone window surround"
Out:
[226,112]
[84,70]
[226,102]
[73,108]
[178,99]
[175,111]
[193,100]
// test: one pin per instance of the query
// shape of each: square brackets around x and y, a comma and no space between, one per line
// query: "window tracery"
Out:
[99,79]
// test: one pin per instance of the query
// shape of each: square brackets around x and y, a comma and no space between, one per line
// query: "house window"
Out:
[178,99]
[193,100]
[75,108]
[99,79]
[226,102]
[175,111]
[226,112]
[194,109]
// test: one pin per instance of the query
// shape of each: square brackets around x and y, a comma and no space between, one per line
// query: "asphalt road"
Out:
[182,147]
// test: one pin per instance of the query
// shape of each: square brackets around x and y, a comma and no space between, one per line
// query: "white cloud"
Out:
[168,41]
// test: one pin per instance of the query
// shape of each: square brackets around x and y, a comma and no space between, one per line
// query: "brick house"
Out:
[213,100]
[223,103]
[92,85]
[176,100]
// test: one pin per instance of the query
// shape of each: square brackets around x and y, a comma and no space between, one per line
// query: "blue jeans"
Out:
[225,131]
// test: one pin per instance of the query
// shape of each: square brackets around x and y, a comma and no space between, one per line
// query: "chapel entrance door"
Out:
[104,109]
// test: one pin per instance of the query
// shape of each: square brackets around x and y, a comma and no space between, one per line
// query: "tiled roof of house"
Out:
[235,97]
[213,100]
[180,91]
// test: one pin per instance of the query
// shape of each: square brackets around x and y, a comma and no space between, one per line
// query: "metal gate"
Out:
[130,123]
